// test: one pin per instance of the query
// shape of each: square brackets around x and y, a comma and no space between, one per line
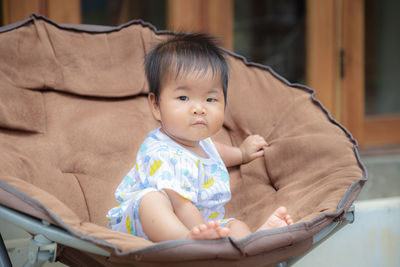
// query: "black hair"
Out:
[183,53]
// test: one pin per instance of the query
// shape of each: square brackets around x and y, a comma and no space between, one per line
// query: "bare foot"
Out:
[279,218]
[210,230]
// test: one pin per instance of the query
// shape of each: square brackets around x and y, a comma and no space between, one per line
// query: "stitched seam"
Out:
[84,196]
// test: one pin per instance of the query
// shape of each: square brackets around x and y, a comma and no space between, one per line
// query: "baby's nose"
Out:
[198,109]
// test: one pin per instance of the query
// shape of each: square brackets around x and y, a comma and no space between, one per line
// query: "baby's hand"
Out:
[252,148]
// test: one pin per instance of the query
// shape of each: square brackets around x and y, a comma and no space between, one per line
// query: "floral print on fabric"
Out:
[162,164]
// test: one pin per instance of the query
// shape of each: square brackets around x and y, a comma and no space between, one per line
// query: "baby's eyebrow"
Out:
[181,88]
[215,91]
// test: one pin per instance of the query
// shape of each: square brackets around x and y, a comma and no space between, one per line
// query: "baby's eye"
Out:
[211,99]
[183,98]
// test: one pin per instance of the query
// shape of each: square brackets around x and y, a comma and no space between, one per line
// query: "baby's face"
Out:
[191,108]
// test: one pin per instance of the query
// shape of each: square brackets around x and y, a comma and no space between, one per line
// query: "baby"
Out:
[179,184]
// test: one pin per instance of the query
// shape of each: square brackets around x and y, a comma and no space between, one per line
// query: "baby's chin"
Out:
[201,136]
[202,132]
[192,134]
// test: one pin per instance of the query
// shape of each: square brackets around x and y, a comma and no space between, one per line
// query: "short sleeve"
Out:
[127,186]
[177,172]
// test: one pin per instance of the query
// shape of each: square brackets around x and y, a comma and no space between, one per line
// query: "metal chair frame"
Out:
[42,246]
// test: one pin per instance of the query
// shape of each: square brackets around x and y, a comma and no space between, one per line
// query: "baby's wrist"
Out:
[243,154]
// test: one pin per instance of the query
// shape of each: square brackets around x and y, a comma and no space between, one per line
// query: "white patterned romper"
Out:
[161,164]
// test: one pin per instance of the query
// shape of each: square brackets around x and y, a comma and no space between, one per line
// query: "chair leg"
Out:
[4,258]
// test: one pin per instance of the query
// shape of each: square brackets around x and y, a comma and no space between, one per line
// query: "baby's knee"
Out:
[155,199]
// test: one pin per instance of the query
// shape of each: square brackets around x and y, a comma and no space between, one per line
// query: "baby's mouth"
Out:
[200,122]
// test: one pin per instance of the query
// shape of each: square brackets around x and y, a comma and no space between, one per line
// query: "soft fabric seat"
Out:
[74,111]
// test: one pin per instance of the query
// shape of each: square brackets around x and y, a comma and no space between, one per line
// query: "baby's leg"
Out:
[279,218]
[238,229]
[160,222]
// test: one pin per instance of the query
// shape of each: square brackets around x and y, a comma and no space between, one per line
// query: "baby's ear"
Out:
[155,109]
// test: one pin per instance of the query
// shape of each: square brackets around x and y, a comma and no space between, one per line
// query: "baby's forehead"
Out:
[193,73]
[201,82]
[194,79]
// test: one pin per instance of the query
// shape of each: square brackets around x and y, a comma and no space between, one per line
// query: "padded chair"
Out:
[74,111]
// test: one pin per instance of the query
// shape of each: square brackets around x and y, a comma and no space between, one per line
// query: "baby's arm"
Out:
[250,149]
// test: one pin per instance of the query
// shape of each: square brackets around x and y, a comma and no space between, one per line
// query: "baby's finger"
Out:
[263,143]
[258,154]
[260,140]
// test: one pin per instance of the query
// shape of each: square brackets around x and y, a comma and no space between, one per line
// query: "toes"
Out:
[288,219]
[195,230]
[281,212]
[202,227]
[211,224]
[218,223]
[223,232]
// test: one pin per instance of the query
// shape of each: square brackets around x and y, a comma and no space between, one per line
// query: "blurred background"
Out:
[347,50]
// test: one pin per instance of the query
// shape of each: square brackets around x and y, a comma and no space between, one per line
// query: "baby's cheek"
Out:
[218,119]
